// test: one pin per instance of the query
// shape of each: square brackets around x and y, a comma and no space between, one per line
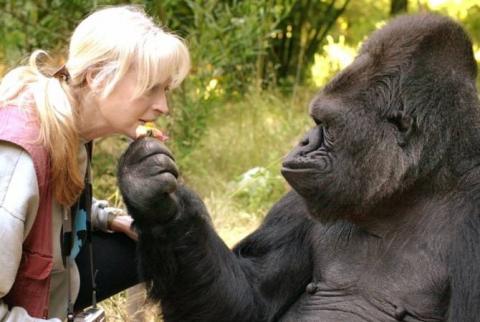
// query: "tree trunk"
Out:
[398,6]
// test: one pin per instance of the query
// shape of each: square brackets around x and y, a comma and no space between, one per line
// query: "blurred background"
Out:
[256,66]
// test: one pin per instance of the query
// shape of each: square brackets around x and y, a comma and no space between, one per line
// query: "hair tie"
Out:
[62,74]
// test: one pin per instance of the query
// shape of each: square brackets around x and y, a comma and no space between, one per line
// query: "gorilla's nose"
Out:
[311,142]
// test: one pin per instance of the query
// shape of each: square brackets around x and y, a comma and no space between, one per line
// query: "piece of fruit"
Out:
[148,129]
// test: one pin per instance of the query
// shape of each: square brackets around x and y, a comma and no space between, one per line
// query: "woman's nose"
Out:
[161,105]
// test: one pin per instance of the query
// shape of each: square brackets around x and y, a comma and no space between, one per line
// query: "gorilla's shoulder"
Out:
[291,207]
[287,222]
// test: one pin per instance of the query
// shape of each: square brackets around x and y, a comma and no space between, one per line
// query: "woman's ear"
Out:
[90,79]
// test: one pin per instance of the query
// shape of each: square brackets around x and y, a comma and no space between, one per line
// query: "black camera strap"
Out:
[84,203]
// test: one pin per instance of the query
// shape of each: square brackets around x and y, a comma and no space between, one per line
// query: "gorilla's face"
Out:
[356,154]
[389,120]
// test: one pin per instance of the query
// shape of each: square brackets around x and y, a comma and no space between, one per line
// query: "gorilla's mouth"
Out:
[306,162]
[317,162]
[299,170]
[311,155]
[302,179]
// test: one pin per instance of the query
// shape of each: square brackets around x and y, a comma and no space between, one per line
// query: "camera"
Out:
[93,314]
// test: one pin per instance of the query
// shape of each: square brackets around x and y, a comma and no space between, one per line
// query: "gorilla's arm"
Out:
[197,277]
[189,268]
[464,264]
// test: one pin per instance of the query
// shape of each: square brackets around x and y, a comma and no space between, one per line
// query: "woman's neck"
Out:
[90,122]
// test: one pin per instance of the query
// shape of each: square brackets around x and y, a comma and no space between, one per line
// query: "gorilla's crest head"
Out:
[403,116]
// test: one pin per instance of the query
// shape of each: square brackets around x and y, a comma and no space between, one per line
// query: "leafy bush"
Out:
[256,188]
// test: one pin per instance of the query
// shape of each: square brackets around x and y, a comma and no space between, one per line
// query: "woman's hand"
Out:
[123,224]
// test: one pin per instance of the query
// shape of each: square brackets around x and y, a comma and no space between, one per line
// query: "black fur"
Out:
[383,223]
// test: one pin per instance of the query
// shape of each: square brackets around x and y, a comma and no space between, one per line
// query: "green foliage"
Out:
[299,36]
[360,19]
[253,132]
[43,24]
[335,56]
[255,42]
[226,37]
[256,188]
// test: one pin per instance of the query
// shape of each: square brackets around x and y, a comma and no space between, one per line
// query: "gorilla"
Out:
[383,219]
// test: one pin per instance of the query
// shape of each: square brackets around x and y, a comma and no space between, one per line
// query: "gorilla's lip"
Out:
[302,180]
[297,165]
[303,170]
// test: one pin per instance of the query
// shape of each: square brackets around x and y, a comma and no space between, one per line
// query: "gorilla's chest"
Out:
[360,277]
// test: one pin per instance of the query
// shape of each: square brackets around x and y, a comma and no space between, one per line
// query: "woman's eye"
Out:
[152,90]
[156,88]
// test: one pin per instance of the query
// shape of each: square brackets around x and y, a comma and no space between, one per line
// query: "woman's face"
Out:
[122,113]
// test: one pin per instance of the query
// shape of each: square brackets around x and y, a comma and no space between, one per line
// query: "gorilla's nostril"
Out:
[312,141]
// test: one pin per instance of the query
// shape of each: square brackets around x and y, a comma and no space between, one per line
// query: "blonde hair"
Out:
[110,42]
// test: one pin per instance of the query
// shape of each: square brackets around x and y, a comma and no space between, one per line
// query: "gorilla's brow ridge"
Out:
[356,73]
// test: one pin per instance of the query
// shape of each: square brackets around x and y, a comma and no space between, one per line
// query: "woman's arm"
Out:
[19,198]
[110,219]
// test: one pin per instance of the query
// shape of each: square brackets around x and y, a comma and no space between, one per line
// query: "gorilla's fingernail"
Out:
[311,288]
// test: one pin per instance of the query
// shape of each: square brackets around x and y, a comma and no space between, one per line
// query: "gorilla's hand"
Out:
[147,177]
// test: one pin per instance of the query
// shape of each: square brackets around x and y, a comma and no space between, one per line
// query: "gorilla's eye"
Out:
[401,121]
[317,121]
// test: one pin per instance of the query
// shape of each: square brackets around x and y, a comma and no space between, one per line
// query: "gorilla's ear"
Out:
[404,124]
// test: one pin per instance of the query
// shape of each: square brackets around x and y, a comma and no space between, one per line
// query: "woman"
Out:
[120,66]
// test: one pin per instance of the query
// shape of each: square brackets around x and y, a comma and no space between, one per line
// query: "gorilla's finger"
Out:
[143,148]
[151,145]
[167,181]
[154,165]
[165,163]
